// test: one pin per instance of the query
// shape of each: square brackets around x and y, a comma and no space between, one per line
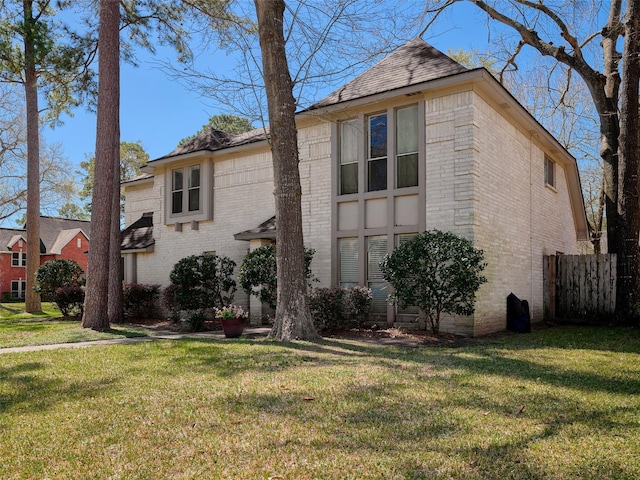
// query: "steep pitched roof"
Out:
[413,63]
[138,235]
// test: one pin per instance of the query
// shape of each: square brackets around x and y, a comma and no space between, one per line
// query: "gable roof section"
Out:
[139,235]
[50,231]
[64,237]
[413,63]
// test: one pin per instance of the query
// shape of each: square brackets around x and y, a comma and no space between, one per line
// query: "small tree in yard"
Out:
[203,281]
[436,271]
[61,281]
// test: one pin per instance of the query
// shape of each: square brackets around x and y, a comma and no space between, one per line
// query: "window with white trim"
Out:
[376,250]
[18,287]
[185,190]
[19,259]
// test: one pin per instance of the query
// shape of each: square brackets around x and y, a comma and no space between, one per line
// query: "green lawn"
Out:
[18,329]
[560,403]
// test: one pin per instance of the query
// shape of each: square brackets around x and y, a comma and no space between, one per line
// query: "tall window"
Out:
[19,259]
[189,196]
[194,188]
[349,157]
[348,252]
[377,153]
[177,190]
[549,172]
[376,250]
[407,147]
[400,239]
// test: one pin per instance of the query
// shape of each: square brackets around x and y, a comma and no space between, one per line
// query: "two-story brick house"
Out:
[59,238]
[416,142]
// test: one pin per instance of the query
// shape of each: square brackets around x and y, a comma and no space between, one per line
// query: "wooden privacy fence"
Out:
[579,286]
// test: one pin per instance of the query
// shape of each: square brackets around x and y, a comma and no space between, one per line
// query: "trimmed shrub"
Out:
[55,274]
[437,271]
[259,275]
[70,300]
[339,307]
[139,300]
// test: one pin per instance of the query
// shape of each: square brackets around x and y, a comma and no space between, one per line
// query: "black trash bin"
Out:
[518,316]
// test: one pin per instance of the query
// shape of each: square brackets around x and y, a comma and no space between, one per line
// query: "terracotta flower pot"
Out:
[232,327]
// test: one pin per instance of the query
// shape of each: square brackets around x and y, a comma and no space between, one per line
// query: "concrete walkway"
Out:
[251,332]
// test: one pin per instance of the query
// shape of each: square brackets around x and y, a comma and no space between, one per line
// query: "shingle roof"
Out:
[138,235]
[413,63]
[211,140]
[266,229]
[50,230]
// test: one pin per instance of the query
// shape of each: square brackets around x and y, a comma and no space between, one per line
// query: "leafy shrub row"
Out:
[339,307]
[139,300]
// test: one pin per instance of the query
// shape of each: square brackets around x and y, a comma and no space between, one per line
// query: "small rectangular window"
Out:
[19,259]
[349,157]
[18,288]
[549,172]
[377,153]
[407,147]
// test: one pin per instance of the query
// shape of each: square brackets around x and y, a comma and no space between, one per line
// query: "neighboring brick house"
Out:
[59,238]
[416,142]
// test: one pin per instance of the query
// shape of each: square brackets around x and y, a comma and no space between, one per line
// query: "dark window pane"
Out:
[377,175]
[177,180]
[194,199]
[176,202]
[408,170]
[348,178]
[378,136]
[194,178]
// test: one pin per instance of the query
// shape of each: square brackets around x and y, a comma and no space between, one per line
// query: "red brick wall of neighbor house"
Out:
[71,251]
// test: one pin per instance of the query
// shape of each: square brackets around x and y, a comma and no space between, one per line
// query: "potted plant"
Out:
[232,318]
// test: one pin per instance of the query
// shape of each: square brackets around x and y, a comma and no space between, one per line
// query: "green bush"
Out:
[339,307]
[70,300]
[55,274]
[439,272]
[203,281]
[258,273]
[139,300]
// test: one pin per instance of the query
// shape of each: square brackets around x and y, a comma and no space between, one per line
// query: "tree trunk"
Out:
[628,206]
[116,300]
[32,299]
[293,319]
[107,135]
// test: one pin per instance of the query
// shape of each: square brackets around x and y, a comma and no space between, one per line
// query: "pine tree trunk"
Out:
[107,135]
[32,299]
[116,297]
[293,319]
[628,292]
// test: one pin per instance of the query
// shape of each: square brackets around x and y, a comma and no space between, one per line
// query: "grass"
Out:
[560,403]
[19,329]
[16,311]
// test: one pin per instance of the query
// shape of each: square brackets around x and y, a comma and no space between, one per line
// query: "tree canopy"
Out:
[231,124]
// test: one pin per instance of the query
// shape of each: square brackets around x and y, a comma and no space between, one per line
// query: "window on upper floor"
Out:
[377,152]
[407,147]
[19,259]
[185,190]
[549,172]
[348,157]
[390,140]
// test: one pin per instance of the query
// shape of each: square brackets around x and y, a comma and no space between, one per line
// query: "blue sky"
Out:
[159,111]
